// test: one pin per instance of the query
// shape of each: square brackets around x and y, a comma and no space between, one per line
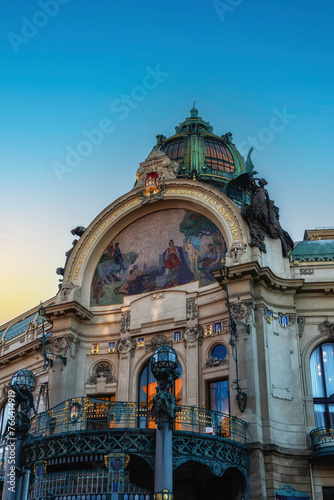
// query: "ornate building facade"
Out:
[254,391]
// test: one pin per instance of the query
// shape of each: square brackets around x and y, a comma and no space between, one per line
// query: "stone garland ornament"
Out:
[191,309]
[212,362]
[327,328]
[157,341]
[300,325]
[262,217]
[192,333]
[237,249]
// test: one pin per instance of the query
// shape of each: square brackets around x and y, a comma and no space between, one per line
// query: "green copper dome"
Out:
[207,157]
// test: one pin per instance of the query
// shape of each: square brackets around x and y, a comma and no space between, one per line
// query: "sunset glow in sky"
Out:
[119,73]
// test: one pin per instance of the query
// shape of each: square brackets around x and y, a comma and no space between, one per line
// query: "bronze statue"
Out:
[262,217]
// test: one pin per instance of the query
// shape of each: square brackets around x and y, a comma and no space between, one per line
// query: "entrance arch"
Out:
[195,481]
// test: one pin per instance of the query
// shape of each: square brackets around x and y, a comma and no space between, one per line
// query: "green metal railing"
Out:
[82,414]
[88,484]
[322,441]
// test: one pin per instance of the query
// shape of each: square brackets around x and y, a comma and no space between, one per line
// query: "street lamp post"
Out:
[241,396]
[16,480]
[164,366]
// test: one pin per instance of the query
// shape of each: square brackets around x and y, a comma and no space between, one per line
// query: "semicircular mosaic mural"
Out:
[164,249]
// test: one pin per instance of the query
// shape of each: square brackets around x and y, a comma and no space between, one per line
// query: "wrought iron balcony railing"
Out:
[84,484]
[322,441]
[82,414]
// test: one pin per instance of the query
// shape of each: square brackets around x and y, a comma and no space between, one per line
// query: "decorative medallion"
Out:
[125,345]
[192,333]
[238,310]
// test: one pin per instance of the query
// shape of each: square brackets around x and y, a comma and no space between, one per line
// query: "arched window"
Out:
[146,391]
[219,351]
[322,377]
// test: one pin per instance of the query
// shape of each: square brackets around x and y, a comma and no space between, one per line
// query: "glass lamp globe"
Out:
[164,360]
[24,380]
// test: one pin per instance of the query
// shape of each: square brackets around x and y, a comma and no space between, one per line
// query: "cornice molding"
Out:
[68,309]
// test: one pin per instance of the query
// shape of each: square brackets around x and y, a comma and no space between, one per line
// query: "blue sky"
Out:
[66,65]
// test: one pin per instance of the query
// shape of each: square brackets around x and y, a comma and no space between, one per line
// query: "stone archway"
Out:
[195,481]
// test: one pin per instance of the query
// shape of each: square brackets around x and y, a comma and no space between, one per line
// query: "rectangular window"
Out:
[218,400]
[99,415]
[328,493]
[219,397]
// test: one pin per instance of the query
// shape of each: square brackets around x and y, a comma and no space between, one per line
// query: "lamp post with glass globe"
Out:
[16,482]
[164,366]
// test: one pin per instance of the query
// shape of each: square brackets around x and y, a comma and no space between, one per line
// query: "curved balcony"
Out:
[81,428]
[322,441]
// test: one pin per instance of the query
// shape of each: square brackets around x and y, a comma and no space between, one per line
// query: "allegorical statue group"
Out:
[262,217]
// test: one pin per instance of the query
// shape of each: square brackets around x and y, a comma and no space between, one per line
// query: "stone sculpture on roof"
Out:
[262,217]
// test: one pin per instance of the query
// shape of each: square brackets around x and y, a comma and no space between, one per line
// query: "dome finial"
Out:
[194,111]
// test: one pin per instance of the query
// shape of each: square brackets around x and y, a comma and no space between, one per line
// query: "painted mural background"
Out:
[161,250]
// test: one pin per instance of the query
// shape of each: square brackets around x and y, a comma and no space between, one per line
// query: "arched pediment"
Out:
[132,236]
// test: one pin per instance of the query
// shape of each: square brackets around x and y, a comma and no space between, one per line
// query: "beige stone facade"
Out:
[273,361]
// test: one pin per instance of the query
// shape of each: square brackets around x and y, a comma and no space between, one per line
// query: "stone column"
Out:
[163,459]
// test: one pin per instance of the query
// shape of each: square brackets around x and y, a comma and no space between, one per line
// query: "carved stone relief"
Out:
[192,333]
[243,311]
[327,328]
[66,290]
[300,325]
[125,345]
[281,392]
[158,341]
[102,370]
[61,345]
[192,309]
[238,310]
[160,163]
[212,362]
[306,271]
[237,249]
[125,321]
